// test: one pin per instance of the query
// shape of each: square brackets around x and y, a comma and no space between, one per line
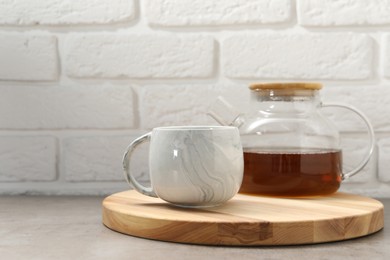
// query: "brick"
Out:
[386,56]
[373,101]
[384,159]
[298,56]
[28,57]
[99,158]
[65,12]
[27,158]
[190,106]
[139,56]
[219,12]
[343,13]
[59,107]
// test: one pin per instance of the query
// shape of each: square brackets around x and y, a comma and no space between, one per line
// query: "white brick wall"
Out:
[298,56]
[79,80]
[112,55]
[96,158]
[386,56]
[217,12]
[27,158]
[384,159]
[62,107]
[344,12]
[28,57]
[65,12]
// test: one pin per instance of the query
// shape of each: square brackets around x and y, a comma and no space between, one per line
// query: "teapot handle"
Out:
[371,137]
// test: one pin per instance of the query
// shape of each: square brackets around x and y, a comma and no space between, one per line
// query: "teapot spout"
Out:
[225,114]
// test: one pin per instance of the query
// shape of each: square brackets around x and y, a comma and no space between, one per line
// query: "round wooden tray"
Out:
[246,220]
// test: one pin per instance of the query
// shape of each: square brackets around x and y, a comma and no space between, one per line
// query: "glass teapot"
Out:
[290,147]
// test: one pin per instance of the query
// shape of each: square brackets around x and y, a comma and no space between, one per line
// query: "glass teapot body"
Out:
[290,147]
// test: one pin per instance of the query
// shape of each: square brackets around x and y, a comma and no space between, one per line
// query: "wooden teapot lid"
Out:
[286,85]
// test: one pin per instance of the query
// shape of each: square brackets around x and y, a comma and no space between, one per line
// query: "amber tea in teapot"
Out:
[292,173]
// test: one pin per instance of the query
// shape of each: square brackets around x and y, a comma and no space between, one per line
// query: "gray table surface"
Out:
[39,227]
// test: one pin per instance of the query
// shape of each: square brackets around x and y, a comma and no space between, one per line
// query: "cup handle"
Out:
[371,137]
[126,166]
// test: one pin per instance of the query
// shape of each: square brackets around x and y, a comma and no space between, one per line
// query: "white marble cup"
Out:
[191,166]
